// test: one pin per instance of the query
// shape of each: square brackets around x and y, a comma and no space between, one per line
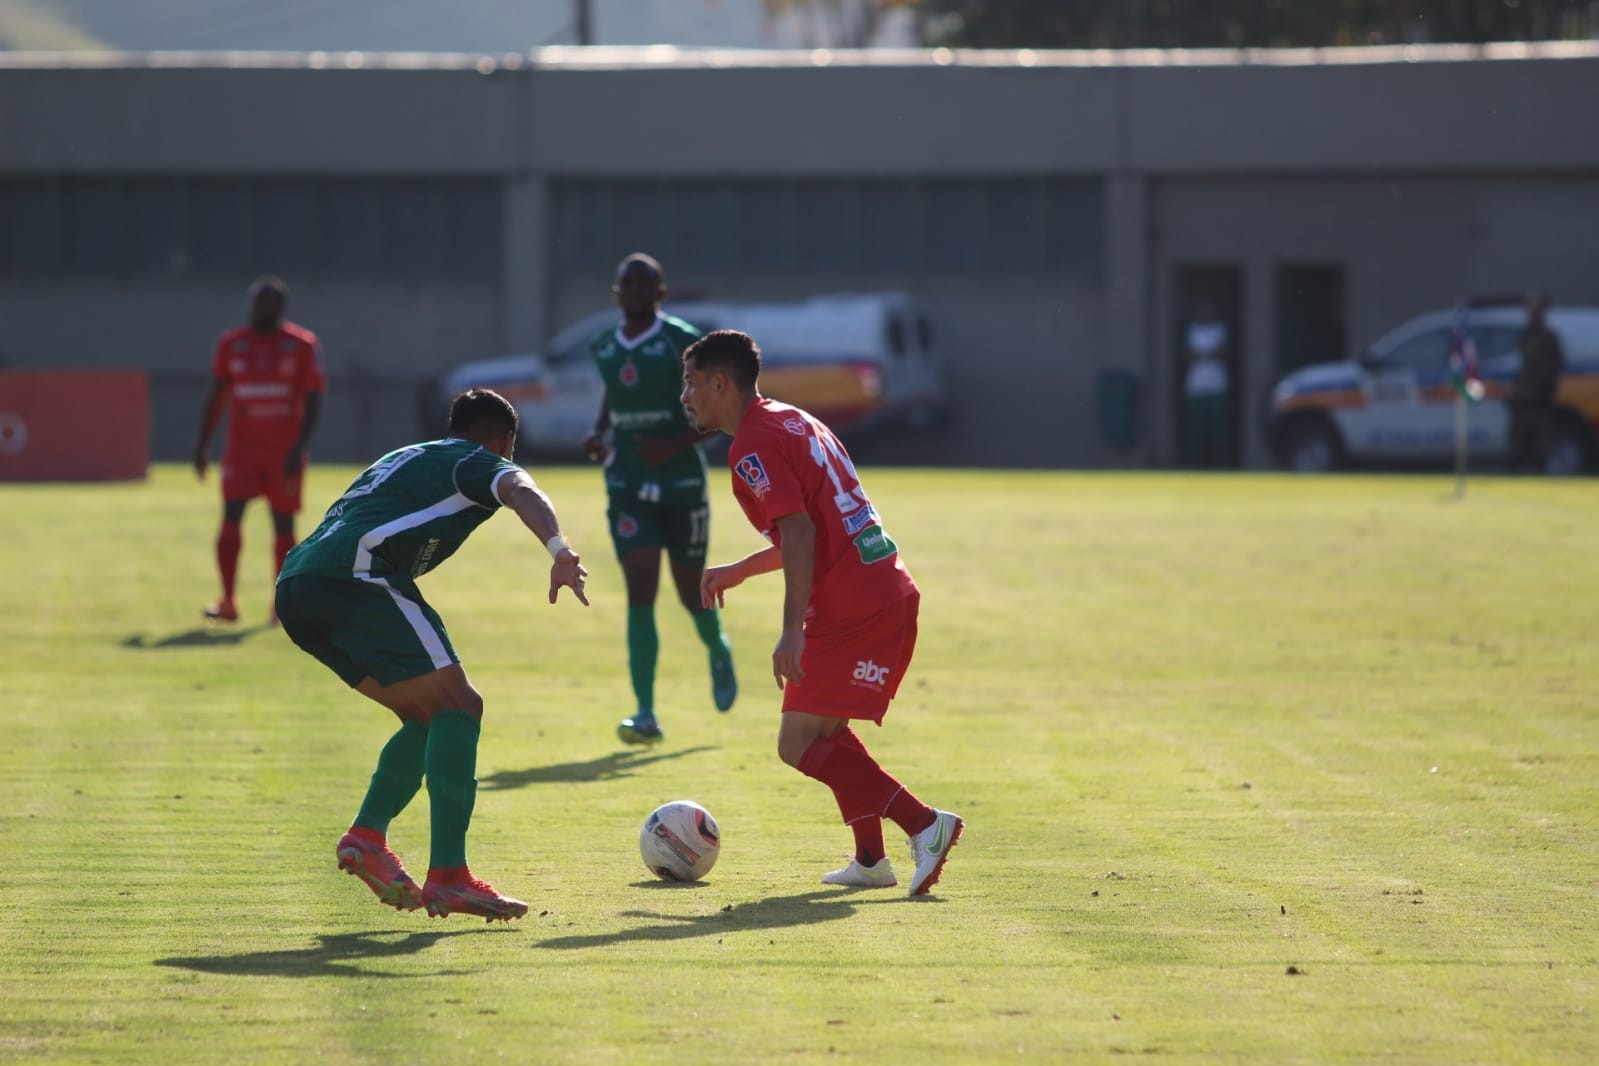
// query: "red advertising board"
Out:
[74,425]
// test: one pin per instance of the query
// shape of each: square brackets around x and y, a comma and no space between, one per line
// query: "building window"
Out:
[226,228]
[814,226]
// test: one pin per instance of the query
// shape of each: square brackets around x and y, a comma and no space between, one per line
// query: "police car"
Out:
[1395,404]
[856,361]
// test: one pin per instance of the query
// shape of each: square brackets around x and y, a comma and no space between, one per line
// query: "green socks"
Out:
[708,623]
[398,776]
[643,646]
[451,763]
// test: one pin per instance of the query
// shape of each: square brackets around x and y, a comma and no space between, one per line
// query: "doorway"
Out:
[1312,315]
[1208,318]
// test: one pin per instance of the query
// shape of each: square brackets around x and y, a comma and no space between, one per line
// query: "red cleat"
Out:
[381,870]
[470,896]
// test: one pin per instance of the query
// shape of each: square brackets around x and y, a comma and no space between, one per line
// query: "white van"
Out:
[1395,403]
[856,361]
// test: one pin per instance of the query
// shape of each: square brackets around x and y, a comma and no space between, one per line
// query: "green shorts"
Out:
[683,529]
[380,628]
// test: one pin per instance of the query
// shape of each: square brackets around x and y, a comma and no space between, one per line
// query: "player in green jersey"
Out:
[655,481]
[348,595]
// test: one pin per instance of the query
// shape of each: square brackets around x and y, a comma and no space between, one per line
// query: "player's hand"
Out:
[568,570]
[201,463]
[787,655]
[294,462]
[715,582]
[594,446]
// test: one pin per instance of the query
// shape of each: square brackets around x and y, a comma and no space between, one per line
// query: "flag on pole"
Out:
[1463,373]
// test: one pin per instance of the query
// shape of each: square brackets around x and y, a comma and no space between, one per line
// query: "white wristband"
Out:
[556,545]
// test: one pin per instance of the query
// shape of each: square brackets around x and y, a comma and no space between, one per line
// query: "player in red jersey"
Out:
[268,375]
[849,607]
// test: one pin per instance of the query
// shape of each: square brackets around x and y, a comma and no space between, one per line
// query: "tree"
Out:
[835,23]
[1246,23]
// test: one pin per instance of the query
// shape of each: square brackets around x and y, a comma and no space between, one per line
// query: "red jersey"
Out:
[785,461]
[267,377]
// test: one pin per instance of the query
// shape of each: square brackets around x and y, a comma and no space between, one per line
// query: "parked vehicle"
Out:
[1395,403]
[857,361]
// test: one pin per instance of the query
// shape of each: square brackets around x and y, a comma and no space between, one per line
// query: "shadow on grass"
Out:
[610,767]
[779,912]
[201,637]
[334,956]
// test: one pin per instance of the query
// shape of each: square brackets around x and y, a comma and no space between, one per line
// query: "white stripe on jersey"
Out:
[419,624]
[375,537]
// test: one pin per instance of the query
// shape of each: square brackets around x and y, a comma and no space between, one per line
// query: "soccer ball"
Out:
[680,841]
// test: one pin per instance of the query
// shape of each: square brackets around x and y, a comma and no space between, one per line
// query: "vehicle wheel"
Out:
[1570,450]
[1311,446]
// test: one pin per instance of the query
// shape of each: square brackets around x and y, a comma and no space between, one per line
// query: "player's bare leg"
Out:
[230,539]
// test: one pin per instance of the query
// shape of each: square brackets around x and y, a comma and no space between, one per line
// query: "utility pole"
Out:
[583,21]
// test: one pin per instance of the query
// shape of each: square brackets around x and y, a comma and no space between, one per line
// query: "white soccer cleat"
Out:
[857,876]
[931,847]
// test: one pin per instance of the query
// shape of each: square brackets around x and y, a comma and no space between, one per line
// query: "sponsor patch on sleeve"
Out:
[754,474]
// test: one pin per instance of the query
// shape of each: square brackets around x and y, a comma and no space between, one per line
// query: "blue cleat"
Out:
[724,685]
[640,729]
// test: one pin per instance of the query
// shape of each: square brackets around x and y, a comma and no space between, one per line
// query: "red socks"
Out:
[863,789]
[371,836]
[228,541]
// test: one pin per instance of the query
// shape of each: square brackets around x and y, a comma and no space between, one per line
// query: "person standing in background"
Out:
[1532,396]
[268,376]
[1207,391]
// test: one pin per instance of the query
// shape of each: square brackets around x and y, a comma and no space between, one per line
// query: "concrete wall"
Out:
[1426,172]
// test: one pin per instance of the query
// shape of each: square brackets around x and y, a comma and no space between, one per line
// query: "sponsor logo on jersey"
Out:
[754,474]
[795,426]
[871,673]
[875,545]
[628,375]
[626,526]
[854,523]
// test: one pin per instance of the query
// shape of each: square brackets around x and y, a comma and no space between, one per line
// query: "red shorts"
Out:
[246,475]
[853,666]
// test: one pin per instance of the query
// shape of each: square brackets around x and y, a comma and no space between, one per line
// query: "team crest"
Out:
[795,426]
[287,344]
[754,474]
[626,526]
[628,375]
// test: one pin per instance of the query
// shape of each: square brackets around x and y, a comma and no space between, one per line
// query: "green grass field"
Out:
[1255,769]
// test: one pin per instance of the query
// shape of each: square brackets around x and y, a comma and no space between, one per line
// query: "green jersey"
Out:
[405,514]
[643,387]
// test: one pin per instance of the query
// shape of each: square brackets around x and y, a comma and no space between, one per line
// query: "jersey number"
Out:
[381,471]
[826,455]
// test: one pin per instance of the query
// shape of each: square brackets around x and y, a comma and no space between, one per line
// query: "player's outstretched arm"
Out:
[716,580]
[521,495]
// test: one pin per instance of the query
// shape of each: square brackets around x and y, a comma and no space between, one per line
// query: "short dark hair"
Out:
[649,262]
[729,351]
[481,407]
